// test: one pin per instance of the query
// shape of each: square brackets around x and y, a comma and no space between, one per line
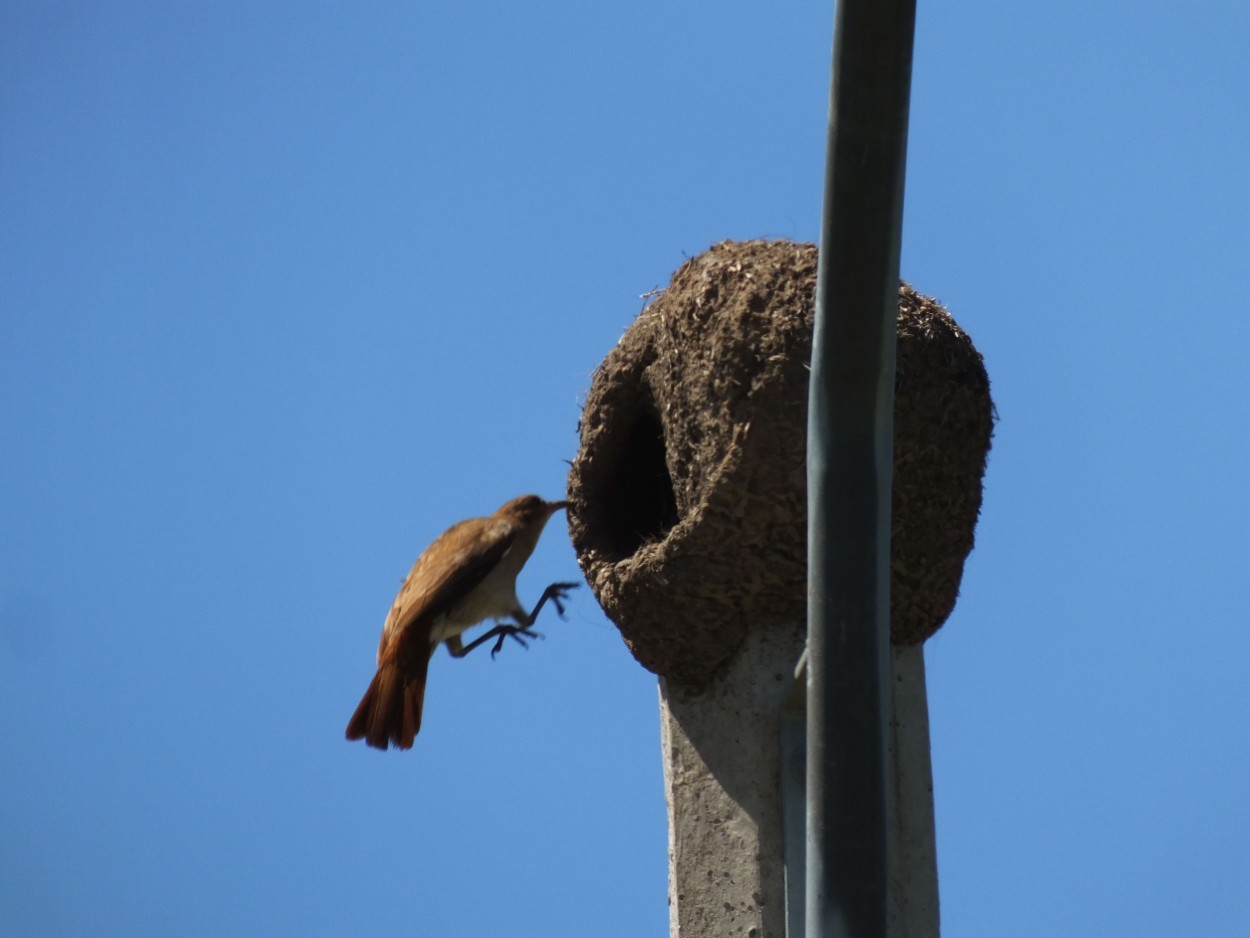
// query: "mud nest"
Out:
[688,497]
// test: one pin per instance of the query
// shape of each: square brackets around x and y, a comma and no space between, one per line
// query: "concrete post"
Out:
[913,858]
[728,792]
[722,780]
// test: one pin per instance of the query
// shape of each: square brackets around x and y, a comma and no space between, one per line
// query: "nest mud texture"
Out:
[688,497]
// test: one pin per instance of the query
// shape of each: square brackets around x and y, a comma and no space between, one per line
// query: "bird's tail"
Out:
[390,711]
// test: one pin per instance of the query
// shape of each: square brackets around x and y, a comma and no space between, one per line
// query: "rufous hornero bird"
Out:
[468,575]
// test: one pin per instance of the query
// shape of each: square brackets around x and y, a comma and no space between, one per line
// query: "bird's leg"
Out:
[457,649]
[500,631]
[556,592]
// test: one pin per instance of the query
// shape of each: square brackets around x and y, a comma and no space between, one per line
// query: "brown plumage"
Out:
[466,576]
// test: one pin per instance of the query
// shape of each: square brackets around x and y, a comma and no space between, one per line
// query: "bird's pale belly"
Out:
[494,598]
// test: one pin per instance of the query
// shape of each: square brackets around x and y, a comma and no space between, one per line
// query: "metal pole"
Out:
[850,453]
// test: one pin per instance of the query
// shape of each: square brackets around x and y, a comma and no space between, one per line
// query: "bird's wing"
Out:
[449,569]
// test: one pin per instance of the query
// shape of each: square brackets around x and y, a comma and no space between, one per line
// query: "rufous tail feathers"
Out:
[390,711]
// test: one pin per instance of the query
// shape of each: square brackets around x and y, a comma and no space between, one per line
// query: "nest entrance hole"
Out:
[640,507]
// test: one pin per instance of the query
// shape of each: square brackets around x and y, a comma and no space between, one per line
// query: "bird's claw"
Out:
[560,595]
[514,632]
[556,593]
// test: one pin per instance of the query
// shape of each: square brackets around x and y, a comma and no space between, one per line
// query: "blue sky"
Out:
[285,289]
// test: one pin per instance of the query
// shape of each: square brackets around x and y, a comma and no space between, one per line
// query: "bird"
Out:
[468,575]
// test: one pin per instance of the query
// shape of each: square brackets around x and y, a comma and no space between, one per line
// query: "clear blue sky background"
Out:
[287,288]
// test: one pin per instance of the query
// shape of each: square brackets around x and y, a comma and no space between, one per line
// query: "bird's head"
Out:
[527,510]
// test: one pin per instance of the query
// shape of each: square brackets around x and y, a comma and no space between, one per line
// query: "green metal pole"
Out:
[849,471]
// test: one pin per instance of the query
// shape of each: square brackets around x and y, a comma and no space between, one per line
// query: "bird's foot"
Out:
[559,594]
[515,632]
